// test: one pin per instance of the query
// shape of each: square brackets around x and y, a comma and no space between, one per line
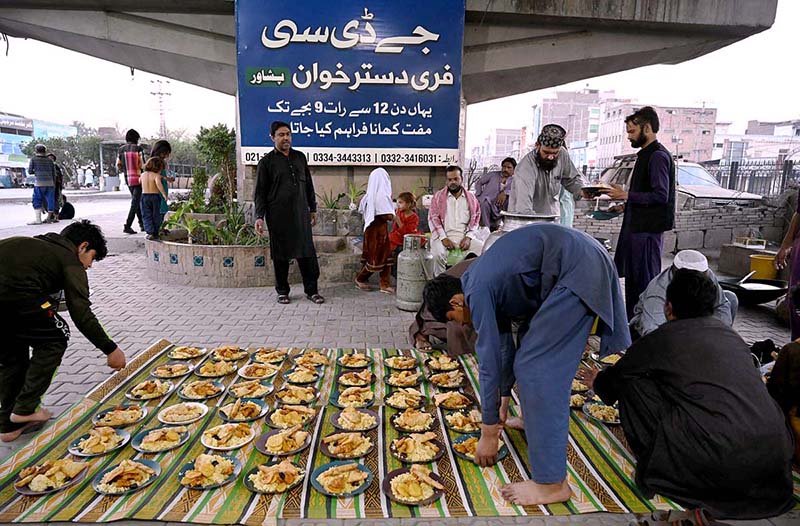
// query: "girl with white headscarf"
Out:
[378,210]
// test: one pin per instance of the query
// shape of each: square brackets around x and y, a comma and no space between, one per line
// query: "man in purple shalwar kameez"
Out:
[492,191]
[649,207]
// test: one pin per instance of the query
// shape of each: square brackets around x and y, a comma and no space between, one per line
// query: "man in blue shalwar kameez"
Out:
[554,281]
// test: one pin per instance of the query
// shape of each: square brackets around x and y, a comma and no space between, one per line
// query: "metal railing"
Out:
[766,178]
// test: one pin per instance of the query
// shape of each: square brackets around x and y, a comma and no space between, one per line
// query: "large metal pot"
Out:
[511,221]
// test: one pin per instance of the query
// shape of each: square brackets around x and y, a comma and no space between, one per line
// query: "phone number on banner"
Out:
[364,156]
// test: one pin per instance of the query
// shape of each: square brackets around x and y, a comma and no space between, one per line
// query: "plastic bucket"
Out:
[764,265]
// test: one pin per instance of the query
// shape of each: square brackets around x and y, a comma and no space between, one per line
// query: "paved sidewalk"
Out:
[136,312]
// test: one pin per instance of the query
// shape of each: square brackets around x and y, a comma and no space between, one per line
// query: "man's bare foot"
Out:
[42,415]
[13,435]
[529,493]
[363,286]
[515,422]
[422,343]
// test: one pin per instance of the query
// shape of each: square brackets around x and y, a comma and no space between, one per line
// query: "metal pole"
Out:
[101,167]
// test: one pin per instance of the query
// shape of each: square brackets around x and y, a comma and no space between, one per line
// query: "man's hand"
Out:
[313,218]
[587,376]
[116,360]
[449,245]
[464,244]
[260,227]
[501,198]
[783,257]
[489,443]
[504,401]
[616,193]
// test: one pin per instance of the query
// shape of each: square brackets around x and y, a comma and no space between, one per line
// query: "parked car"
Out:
[696,188]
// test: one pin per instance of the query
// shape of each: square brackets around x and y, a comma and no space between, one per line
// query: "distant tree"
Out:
[184,147]
[84,130]
[217,148]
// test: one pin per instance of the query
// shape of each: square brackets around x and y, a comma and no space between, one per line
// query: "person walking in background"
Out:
[649,207]
[44,190]
[130,161]
[59,179]
[492,191]
[287,205]
[378,210]
[152,193]
[162,149]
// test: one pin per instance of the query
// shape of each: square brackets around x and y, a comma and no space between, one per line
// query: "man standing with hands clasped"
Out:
[285,201]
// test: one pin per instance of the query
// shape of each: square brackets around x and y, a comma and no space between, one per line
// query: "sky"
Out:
[756,78]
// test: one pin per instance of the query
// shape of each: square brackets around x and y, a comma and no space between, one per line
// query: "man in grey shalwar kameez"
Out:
[542,173]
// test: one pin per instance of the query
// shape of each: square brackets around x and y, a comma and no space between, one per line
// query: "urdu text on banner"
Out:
[360,83]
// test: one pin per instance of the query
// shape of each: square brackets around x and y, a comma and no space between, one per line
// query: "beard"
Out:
[638,141]
[545,164]
[454,189]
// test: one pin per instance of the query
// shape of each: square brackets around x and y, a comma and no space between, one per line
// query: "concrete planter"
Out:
[340,223]
[234,265]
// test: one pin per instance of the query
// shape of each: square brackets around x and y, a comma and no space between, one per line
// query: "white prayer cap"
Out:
[691,260]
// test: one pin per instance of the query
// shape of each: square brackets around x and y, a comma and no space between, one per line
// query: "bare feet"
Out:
[42,415]
[515,422]
[13,435]
[529,493]
[422,343]
[387,290]
[363,286]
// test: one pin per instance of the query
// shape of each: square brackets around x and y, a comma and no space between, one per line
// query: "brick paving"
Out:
[137,312]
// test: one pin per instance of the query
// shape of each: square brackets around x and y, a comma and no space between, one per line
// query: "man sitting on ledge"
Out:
[702,426]
[648,314]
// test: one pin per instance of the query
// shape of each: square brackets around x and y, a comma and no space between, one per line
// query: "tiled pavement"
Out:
[137,312]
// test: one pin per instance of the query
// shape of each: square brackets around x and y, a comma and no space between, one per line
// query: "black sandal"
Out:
[283,299]
[316,298]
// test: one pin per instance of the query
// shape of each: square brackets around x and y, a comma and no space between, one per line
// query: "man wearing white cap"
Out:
[648,314]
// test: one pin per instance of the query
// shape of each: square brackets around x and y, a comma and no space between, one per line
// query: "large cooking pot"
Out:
[511,221]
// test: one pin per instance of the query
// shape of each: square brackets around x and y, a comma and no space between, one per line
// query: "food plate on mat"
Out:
[201,390]
[359,378]
[51,476]
[127,477]
[300,375]
[269,355]
[404,398]
[250,389]
[417,448]
[149,389]
[295,394]
[413,421]
[258,371]
[215,369]
[464,421]
[465,445]
[227,437]
[355,360]
[346,446]
[243,410]
[182,413]
[354,419]
[286,416]
[283,442]
[182,352]
[341,478]
[160,439]
[353,397]
[123,415]
[274,477]
[99,441]
[401,363]
[403,378]
[414,486]
[171,370]
[209,471]
[602,413]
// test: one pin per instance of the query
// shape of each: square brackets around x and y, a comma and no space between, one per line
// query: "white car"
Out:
[696,188]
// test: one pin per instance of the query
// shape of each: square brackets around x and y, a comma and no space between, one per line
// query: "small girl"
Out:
[406,221]
[152,192]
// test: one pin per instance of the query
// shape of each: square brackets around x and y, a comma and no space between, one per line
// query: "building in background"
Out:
[499,144]
[686,132]
[763,141]
[48,130]
[578,112]
[15,132]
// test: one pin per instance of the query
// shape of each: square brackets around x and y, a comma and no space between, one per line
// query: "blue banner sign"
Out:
[360,83]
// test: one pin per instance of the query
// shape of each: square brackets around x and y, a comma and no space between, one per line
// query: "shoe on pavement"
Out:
[129,230]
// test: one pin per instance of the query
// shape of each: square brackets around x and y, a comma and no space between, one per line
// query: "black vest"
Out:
[651,218]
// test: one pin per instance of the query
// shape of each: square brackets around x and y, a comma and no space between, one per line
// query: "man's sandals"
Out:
[316,298]
[283,299]
[696,517]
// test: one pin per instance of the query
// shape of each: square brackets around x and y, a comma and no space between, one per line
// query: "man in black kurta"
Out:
[703,428]
[285,199]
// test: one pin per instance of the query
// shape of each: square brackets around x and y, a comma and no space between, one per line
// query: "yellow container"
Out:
[764,265]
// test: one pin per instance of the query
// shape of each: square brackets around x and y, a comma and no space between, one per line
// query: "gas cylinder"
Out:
[414,269]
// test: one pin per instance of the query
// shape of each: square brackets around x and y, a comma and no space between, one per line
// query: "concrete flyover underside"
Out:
[510,46]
